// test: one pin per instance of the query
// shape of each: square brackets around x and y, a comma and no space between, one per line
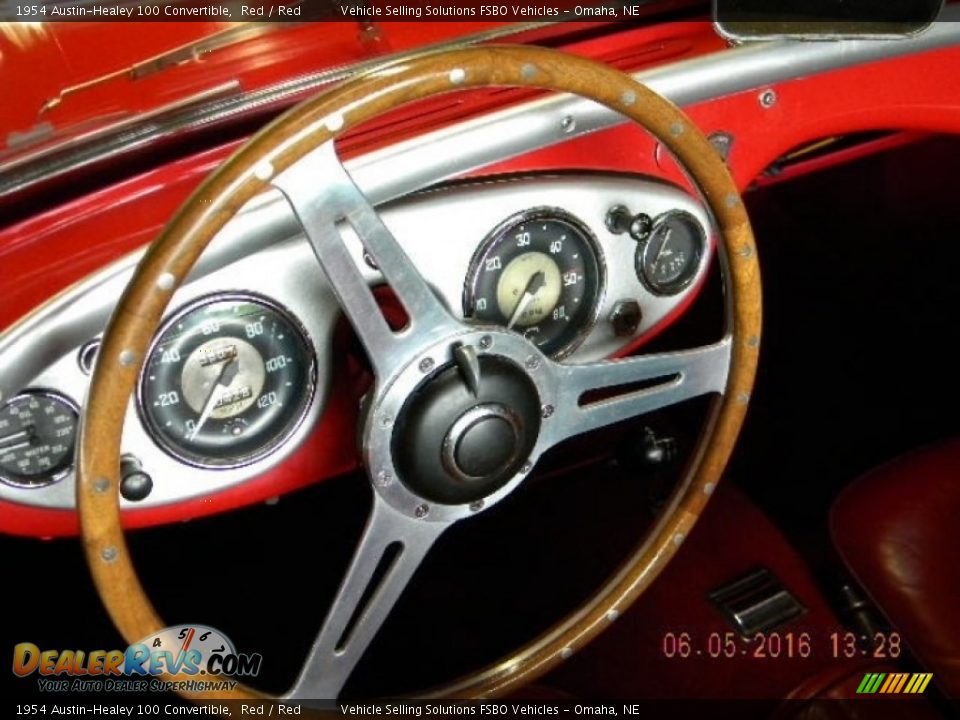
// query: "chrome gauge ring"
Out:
[228,380]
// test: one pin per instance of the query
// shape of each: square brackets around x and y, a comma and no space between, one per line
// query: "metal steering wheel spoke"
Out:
[324,197]
[633,386]
[387,556]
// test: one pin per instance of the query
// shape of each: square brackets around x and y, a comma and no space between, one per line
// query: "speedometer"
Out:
[538,274]
[228,379]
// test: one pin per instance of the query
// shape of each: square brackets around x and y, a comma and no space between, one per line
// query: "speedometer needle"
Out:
[211,402]
[537,281]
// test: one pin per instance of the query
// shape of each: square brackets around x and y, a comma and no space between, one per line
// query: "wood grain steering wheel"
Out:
[525,400]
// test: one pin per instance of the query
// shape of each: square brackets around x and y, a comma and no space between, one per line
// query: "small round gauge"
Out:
[668,259]
[228,379]
[37,433]
[539,274]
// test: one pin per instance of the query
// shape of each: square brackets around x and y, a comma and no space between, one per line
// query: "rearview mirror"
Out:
[823,19]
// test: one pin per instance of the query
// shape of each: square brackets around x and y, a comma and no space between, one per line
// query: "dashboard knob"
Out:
[135,483]
[620,220]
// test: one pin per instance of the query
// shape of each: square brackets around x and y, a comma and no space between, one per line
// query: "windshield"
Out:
[72,79]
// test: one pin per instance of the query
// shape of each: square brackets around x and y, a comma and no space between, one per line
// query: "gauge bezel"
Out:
[592,315]
[60,474]
[640,257]
[280,440]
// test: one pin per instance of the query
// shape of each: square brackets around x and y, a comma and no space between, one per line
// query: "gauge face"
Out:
[227,381]
[37,433]
[537,274]
[668,260]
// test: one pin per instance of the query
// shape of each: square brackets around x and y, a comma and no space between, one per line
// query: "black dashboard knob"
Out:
[620,220]
[135,483]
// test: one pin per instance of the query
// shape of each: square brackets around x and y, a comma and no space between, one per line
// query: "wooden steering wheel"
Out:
[521,397]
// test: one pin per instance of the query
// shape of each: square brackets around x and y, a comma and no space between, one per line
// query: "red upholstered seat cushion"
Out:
[898,530]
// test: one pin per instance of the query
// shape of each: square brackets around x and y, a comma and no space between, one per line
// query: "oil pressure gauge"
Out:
[668,259]
[228,380]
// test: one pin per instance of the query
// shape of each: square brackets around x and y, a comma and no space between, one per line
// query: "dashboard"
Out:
[623,286]
[240,372]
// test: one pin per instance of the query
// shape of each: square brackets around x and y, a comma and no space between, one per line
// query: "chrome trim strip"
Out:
[399,169]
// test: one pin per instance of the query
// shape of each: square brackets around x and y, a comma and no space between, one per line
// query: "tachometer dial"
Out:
[228,380]
[37,433]
[539,274]
[668,259]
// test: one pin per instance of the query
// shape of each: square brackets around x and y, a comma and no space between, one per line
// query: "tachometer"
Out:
[538,273]
[228,379]
[37,433]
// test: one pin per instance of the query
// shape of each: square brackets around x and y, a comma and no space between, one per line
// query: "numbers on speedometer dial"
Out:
[538,274]
[228,380]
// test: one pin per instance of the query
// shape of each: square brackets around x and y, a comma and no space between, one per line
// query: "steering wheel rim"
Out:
[273,155]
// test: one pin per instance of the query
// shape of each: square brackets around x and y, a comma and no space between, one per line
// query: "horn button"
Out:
[467,430]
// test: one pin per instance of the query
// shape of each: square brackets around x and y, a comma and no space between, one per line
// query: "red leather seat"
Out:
[898,530]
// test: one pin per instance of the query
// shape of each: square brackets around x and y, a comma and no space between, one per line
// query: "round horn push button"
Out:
[482,442]
[457,440]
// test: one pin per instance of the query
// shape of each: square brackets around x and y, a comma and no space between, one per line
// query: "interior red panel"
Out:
[732,538]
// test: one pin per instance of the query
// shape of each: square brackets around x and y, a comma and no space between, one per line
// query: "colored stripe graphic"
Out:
[870,683]
[901,682]
[894,683]
[919,682]
[890,683]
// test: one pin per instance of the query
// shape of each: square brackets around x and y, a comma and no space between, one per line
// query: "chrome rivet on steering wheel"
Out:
[166,281]
[263,170]
[334,122]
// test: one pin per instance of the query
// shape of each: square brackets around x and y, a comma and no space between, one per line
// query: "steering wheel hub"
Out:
[467,429]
